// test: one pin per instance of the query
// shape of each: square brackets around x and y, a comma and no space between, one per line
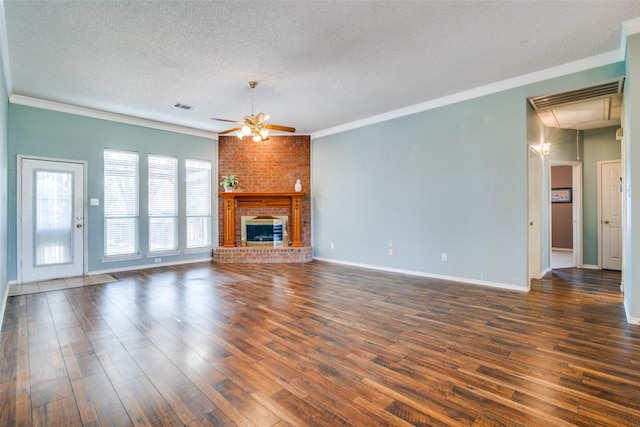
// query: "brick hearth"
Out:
[262,255]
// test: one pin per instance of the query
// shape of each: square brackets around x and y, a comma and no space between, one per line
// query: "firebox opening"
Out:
[264,230]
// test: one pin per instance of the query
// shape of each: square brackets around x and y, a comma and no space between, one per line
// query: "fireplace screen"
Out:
[264,230]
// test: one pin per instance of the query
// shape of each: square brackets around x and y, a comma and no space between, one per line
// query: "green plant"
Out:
[229,181]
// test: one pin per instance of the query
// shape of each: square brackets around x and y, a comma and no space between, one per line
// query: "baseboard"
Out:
[562,249]
[145,266]
[590,266]
[631,320]
[428,275]
[4,305]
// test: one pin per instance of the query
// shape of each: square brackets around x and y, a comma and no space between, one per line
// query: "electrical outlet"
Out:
[390,243]
[332,246]
[390,252]
[444,257]
[157,260]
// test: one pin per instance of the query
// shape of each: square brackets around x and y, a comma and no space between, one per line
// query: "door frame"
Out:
[534,187]
[599,201]
[576,185]
[19,228]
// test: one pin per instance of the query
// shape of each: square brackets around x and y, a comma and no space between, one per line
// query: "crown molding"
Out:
[104,115]
[538,76]
[4,50]
[630,27]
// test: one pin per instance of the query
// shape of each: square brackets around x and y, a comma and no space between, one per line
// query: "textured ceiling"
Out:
[319,64]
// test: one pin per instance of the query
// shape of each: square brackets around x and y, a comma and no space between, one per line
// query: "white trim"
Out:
[85,210]
[526,79]
[153,265]
[590,267]
[3,305]
[429,275]
[104,115]
[599,202]
[627,312]
[576,212]
[629,28]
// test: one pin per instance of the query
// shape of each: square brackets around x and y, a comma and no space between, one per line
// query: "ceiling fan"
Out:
[254,125]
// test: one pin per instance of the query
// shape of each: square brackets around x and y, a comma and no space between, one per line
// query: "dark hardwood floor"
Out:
[319,344]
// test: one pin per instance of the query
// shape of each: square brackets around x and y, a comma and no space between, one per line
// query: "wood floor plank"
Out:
[144,404]
[320,344]
[98,402]
[58,413]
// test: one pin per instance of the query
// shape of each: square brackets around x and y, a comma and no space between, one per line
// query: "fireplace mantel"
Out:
[233,200]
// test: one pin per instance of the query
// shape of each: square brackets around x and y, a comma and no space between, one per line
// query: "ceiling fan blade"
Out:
[261,118]
[280,128]
[228,131]
[225,120]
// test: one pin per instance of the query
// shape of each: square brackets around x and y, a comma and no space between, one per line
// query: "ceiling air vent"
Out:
[604,89]
[184,107]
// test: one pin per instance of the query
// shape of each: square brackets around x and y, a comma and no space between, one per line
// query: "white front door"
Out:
[611,215]
[51,219]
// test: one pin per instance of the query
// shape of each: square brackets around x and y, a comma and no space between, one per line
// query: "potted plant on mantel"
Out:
[229,182]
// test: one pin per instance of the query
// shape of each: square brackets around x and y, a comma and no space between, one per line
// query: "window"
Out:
[198,179]
[120,203]
[163,204]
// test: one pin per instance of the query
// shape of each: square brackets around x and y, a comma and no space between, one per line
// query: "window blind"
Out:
[120,203]
[163,203]
[198,208]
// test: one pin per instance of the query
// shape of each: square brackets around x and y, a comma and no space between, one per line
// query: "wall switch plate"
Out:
[332,246]
[444,257]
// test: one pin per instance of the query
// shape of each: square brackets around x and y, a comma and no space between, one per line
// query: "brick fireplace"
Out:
[267,172]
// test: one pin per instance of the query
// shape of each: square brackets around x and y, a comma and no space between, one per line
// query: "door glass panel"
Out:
[53,212]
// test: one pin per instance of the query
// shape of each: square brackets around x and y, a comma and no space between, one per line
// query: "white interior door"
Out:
[535,168]
[51,219]
[611,215]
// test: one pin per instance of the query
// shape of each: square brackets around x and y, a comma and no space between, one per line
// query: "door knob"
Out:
[79,226]
[606,221]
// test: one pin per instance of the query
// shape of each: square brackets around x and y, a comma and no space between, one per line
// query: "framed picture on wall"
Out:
[560,195]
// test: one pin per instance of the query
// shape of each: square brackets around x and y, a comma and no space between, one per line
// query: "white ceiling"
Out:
[319,64]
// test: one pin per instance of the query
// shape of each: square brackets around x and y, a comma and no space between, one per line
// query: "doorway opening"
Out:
[565,211]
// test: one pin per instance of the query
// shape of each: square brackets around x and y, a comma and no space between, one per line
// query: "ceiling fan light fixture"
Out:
[253,125]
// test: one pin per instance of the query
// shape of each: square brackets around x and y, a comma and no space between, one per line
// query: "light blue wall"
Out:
[39,132]
[448,180]
[599,144]
[4,103]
